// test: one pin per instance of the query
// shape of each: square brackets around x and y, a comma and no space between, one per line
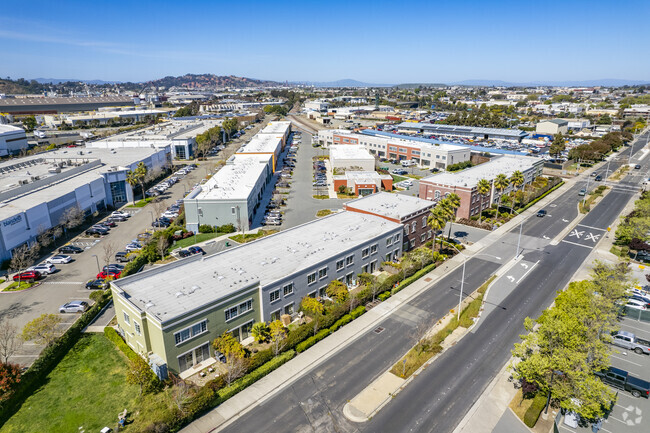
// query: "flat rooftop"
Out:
[236,179]
[407,141]
[363,176]
[349,151]
[9,129]
[396,206]
[278,127]
[262,143]
[451,129]
[63,100]
[489,170]
[169,291]
[113,114]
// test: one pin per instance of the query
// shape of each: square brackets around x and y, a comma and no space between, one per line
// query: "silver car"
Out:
[44,268]
[74,307]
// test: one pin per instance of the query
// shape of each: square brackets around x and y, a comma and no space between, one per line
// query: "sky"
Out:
[387,42]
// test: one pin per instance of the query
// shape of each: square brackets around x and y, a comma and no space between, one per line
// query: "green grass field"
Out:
[200,237]
[87,389]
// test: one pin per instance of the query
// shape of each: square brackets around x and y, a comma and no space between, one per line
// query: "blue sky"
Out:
[372,41]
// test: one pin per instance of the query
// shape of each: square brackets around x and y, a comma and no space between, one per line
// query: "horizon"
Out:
[284,42]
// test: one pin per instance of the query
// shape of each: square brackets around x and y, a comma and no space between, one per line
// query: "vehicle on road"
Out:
[628,340]
[582,192]
[43,268]
[98,284]
[621,379]
[598,178]
[541,213]
[122,257]
[637,167]
[70,249]
[59,259]
[29,276]
[113,273]
[74,307]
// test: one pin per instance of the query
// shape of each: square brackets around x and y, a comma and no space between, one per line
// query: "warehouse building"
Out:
[37,190]
[351,157]
[105,117]
[264,144]
[464,183]
[173,313]
[61,104]
[280,129]
[552,127]
[411,212]
[470,132]
[12,140]
[425,154]
[363,182]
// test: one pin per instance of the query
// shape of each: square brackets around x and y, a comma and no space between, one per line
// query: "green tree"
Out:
[337,291]
[278,336]
[234,352]
[483,187]
[139,373]
[501,182]
[260,332]
[141,173]
[557,145]
[230,126]
[42,330]
[312,305]
[132,179]
[29,123]
[517,180]
[450,205]
[9,378]
[437,220]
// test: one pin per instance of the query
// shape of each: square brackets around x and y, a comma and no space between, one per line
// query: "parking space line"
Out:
[638,329]
[627,360]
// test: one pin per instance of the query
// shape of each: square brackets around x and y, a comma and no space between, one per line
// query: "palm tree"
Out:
[437,220]
[141,173]
[501,182]
[483,187]
[132,179]
[517,179]
[451,203]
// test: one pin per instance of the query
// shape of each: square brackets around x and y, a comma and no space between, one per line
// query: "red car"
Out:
[112,273]
[27,276]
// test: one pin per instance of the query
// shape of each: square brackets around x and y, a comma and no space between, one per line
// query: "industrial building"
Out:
[427,155]
[12,140]
[61,104]
[363,182]
[171,314]
[464,182]
[351,157]
[411,212]
[264,144]
[552,127]
[37,190]
[471,132]
[105,117]
[280,129]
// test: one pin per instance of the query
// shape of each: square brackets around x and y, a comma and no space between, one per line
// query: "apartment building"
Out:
[174,312]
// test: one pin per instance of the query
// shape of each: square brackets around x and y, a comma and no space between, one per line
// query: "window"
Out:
[136,325]
[397,236]
[389,241]
[429,234]
[311,278]
[364,268]
[348,278]
[414,226]
[340,264]
[406,229]
[321,291]
[349,260]
[288,309]
[191,332]
[312,294]
[288,289]
[245,306]
[275,315]
[424,221]
[232,210]
[322,273]
[365,253]
[373,249]
[388,257]
[395,254]
[423,237]
[393,148]
[231,313]
[274,295]
[437,195]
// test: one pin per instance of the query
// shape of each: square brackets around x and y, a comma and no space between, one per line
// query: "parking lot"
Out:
[629,414]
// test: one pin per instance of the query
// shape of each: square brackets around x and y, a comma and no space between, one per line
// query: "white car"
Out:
[634,304]
[170,215]
[122,214]
[44,268]
[59,259]
[131,247]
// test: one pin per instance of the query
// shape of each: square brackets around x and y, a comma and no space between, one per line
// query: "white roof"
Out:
[363,176]
[469,178]
[279,127]
[169,291]
[395,206]
[235,180]
[349,151]
[9,129]
[262,143]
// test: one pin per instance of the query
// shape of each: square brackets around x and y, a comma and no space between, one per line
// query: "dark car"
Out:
[637,167]
[27,276]
[113,266]
[95,231]
[70,249]
[122,256]
[159,223]
[109,223]
[184,253]
[621,379]
[541,213]
[598,178]
[98,284]
[196,250]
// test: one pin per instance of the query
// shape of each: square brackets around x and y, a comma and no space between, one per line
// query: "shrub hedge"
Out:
[301,347]
[36,375]
[414,277]
[535,409]
[154,383]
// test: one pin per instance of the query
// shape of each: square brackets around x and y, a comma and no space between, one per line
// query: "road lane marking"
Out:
[528,271]
[590,227]
[510,278]
[592,237]
[63,282]
[576,233]
[627,360]
[580,245]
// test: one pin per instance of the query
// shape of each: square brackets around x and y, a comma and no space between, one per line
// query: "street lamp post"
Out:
[97,260]
[584,200]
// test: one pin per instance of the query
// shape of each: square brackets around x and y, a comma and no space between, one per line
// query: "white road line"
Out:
[590,227]
[638,329]
[531,268]
[64,282]
[627,360]
[580,245]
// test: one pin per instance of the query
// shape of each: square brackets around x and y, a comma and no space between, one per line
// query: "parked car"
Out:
[98,284]
[27,276]
[196,250]
[59,259]
[635,305]
[184,253]
[628,340]
[132,247]
[70,249]
[159,223]
[170,215]
[74,307]
[113,266]
[43,268]
[109,223]
[621,379]
[122,256]
[541,213]
[94,231]
[113,273]
[121,213]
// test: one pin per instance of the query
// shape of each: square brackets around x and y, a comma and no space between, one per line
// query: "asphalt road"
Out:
[438,399]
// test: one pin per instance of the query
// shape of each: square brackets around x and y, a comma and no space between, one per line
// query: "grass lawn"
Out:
[87,389]
[141,203]
[397,178]
[243,238]
[323,212]
[17,286]
[200,237]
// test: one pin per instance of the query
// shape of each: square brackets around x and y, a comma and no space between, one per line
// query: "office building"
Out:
[12,140]
[363,182]
[351,157]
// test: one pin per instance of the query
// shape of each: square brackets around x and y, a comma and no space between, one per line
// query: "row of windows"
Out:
[136,325]
[237,311]
[191,332]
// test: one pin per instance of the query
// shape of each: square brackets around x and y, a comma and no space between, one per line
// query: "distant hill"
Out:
[606,82]
[343,83]
[198,81]
[416,85]
[66,80]
[20,86]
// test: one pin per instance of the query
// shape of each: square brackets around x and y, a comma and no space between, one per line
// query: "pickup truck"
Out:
[621,379]
[628,340]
